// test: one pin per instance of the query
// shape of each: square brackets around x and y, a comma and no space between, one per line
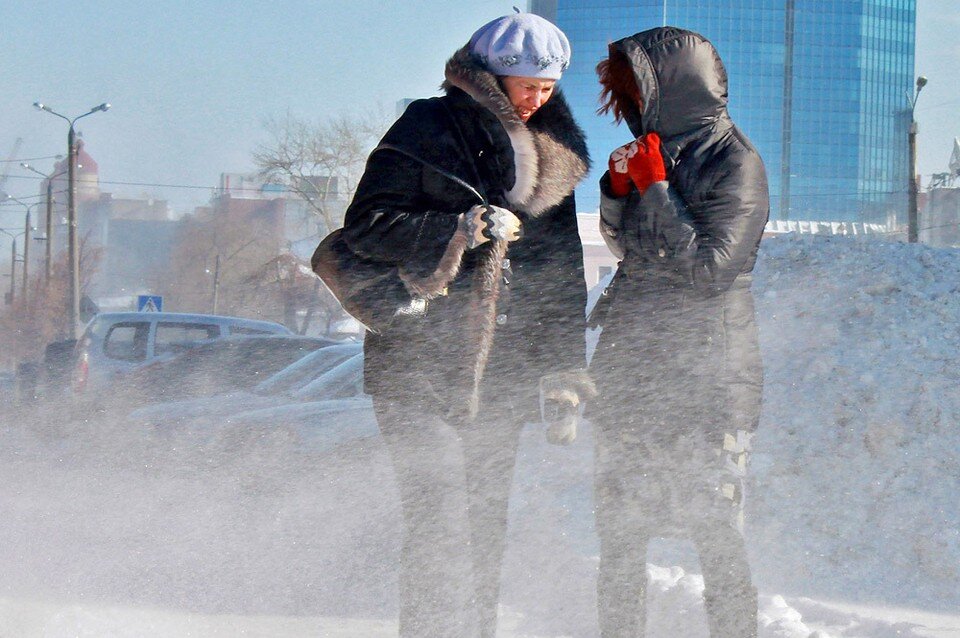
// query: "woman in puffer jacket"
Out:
[678,369]
[471,196]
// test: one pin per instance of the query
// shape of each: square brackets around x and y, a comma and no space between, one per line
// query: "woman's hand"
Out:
[639,163]
[484,222]
[561,396]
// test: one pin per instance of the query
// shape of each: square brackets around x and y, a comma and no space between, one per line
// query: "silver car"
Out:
[116,342]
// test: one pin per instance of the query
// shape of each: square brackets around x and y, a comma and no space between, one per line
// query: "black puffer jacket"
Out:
[680,324]
[485,331]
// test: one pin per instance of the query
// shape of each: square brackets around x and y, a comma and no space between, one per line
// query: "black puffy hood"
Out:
[681,79]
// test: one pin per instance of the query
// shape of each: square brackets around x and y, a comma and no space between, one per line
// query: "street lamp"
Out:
[48,225]
[26,242]
[13,263]
[73,255]
[913,183]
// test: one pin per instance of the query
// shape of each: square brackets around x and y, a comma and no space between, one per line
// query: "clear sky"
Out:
[191,82]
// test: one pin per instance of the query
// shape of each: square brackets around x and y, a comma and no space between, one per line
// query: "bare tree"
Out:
[319,161]
[40,318]
[241,237]
[288,282]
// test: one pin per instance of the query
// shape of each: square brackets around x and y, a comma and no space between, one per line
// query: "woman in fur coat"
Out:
[471,196]
[678,368]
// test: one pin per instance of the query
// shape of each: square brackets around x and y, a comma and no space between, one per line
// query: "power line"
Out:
[13,203]
[279,189]
[40,197]
[31,159]
[952,225]
[936,106]
[193,186]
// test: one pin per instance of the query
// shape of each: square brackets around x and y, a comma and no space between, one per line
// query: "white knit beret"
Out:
[522,45]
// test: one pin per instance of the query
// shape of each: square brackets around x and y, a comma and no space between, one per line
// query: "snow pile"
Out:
[857,461]
[676,609]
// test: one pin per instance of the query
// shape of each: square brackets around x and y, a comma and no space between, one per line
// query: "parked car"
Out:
[8,386]
[114,343]
[59,358]
[288,385]
[211,368]
[260,445]
[330,410]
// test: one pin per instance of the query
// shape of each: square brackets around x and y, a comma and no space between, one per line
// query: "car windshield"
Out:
[306,369]
[345,380]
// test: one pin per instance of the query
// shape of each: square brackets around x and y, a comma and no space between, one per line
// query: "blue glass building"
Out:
[819,86]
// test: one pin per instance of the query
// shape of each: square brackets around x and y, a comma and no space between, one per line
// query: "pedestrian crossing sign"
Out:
[149,303]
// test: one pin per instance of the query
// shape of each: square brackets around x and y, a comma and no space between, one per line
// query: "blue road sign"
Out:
[149,303]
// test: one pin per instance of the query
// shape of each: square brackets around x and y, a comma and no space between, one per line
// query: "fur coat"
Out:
[500,316]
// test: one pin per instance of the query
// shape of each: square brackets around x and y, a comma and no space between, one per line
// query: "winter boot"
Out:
[732,614]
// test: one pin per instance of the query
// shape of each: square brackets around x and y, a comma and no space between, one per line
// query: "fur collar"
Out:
[550,152]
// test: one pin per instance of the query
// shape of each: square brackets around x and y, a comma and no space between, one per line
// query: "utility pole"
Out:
[48,221]
[13,270]
[73,252]
[913,221]
[26,243]
[216,272]
[216,284]
[26,256]
[786,151]
[13,263]
[48,249]
[913,181]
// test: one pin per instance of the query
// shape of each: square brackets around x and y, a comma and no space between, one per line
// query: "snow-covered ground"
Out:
[675,612]
[853,514]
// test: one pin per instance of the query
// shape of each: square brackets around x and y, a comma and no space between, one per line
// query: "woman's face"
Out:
[527,94]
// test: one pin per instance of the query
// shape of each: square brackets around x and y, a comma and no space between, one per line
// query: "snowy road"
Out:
[670,616]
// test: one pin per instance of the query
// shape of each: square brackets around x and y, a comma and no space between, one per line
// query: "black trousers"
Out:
[680,385]
[454,485]
[687,485]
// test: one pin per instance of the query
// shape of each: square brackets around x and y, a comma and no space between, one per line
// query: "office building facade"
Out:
[820,86]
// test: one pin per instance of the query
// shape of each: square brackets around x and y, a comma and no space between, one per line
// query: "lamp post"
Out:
[48,225]
[913,186]
[73,255]
[26,242]
[13,264]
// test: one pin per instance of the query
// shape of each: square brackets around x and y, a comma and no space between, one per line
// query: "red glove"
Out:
[639,162]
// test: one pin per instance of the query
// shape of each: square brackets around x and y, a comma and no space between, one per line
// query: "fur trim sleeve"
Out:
[435,284]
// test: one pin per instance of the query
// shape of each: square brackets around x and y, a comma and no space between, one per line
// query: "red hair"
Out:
[619,90]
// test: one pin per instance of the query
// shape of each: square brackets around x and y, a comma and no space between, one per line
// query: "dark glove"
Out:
[561,395]
[661,225]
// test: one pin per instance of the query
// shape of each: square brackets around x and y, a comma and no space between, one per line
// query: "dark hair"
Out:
[619,92]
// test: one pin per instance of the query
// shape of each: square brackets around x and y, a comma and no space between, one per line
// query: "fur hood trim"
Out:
[550,153]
